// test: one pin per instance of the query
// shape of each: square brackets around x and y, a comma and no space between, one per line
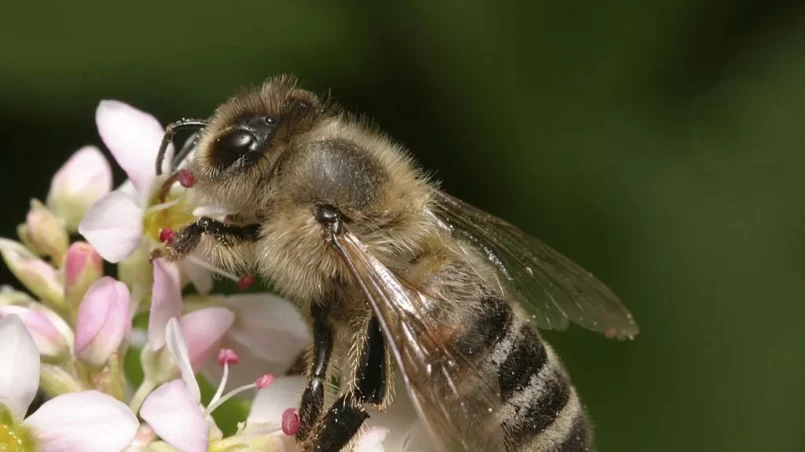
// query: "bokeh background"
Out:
[659,144]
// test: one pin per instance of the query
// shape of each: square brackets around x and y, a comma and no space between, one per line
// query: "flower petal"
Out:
[48,339]
[19,376]
[178,350]
[133,137]
[371,440]
[174,414]
[246,371]
[200,277]
[269,325]
[82,180]
[203,330]
[272,401]
[114,226]
[166,301]
[88,421]
[405,433]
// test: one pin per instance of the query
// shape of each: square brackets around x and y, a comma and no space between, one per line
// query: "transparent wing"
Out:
[551,287]
[454,398]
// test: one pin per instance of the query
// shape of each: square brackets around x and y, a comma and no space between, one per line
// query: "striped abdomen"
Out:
[540,409]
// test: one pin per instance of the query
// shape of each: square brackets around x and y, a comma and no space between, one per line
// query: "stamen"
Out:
[166,235]
[165,205]
[261,383]
[228,356]
[186,178]
[245,281]
[166,186]
[290,422]
[264,381]
[225,357]
[213,269]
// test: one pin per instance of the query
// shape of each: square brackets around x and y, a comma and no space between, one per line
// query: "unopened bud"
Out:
[83,179]
[22,234]
[55,381]
[10,296]
[103,322]
[82,267]
[49,340]
[46,232]
[35,274]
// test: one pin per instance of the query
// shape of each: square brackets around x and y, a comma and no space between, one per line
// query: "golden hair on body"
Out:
[394,275]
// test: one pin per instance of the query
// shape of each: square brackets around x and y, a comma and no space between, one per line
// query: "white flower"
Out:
[87,421]
[174,409]
[116,224]
[268,333]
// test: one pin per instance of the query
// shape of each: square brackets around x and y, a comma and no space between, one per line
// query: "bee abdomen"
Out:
[540,411]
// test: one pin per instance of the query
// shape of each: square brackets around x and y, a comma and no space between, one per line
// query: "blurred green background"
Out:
[659,144]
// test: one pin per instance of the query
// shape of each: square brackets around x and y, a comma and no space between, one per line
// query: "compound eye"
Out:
[232,146]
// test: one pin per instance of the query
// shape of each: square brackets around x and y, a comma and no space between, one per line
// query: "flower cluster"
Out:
[72,335]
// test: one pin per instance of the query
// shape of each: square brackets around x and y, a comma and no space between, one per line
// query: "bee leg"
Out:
[347,414]
[312,405]
[372,384]
[188,238]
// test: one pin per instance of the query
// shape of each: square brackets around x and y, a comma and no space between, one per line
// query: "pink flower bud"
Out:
[46,232]
[50,342]
[82,267]
[103,321]
[83,179]
[35,274]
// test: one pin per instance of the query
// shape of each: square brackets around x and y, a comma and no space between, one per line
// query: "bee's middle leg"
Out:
[345,417]
[312,405]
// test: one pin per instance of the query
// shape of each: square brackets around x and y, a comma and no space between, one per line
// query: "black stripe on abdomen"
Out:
[538,411]
[489,326]
[578,439]
[525,359]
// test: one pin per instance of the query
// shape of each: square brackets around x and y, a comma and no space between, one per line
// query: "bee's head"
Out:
[240,145]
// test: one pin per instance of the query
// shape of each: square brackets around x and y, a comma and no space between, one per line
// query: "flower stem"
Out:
[142,392]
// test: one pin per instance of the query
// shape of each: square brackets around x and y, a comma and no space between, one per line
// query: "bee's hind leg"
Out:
[345,417]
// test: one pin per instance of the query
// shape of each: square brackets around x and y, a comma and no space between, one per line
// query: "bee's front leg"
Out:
[229,235]
[371,381]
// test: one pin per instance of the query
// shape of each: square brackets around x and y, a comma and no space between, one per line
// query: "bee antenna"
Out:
[170,131]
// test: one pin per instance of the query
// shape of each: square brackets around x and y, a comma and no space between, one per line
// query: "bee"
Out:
[396,277]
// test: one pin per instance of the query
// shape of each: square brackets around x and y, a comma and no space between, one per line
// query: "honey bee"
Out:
[395,276]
